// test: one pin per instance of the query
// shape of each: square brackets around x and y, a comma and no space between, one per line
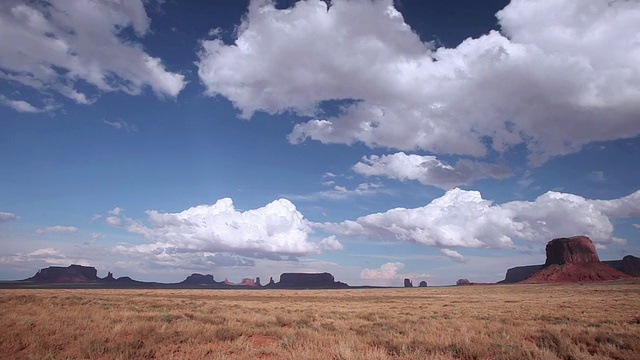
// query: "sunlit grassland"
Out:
[594,321]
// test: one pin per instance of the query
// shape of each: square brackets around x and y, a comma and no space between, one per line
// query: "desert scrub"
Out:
[489,322]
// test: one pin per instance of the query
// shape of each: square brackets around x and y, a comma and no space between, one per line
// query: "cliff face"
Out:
[307,281]
[573,250]
[71,274]
[519,273]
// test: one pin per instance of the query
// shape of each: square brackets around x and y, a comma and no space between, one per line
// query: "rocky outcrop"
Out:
[422,284]
[109,278]
[631,265]
[248,282]
[573,250]
[408,283]
[74,274]
[307,281]
[461,282]
[573,260]
[199,279]
[519,273]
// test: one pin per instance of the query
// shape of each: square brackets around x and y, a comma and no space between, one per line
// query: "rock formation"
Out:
[461,282]
[423,284]
[199,279]
[109,278]
[573,259]
[574,250]
[629,264]
[307,281]
[73,274]
[247,282]
[519,273]
[408,283]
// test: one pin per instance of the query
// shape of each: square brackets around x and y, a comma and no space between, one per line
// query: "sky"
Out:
[373,139]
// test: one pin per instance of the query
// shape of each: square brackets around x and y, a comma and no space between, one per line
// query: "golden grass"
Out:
[596,321]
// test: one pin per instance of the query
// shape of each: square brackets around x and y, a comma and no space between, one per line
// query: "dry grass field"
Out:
[594,321]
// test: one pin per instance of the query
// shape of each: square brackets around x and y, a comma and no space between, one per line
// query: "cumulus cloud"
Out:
[386,271]
[331,243]
[429,170]
[453,255]
[558,75]
[57,229]
[7,216]
[278,227]
[53,46]
[464,219]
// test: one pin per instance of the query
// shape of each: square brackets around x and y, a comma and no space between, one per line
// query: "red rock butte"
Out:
[573,259]
[573,250]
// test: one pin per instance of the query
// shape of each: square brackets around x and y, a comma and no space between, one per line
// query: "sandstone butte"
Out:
[573,259]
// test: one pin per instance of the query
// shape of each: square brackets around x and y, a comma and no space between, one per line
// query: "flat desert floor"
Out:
[591,321]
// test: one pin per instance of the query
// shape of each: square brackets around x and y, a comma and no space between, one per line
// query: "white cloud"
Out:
[121,125]
[113,220]
[7,216]
[156,256]
[21,105]
[331,243]
[564,74]
[463,218]
[57,229]
[386,271]
[340,192]
[429,170]
[54,45]
[42,257]
[276,228]
[116,211]
[624,207]
[453,255]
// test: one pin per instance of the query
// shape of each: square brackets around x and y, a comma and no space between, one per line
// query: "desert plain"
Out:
[545,321]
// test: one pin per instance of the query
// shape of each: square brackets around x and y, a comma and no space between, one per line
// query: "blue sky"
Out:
[375,140]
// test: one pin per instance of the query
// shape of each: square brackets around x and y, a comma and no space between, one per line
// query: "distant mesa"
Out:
[78,274]
[74,274]
[519,273]
[629,264]
[572,259]
[250,282]
[307,281]
[199,279]
[422,284]
[462,282]
[408,283]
